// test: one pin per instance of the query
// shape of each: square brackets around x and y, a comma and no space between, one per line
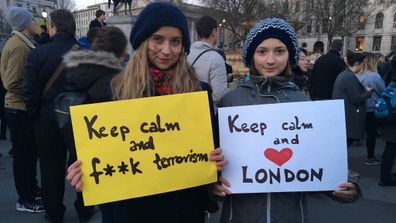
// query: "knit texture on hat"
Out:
[271,28]
[18,18]
[153,17]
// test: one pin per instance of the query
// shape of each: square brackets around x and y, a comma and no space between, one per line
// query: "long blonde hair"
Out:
[136,82]
[370,63]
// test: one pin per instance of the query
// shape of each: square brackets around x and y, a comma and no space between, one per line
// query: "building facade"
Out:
[84,16]
[375,30]
[36,7]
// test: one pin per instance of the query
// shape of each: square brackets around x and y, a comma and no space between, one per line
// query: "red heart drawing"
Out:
[279,158]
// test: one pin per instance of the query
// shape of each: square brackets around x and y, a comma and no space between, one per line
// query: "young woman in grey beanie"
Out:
[270,51]
[158,67]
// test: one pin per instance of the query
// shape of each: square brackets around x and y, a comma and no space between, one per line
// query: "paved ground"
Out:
[377,206]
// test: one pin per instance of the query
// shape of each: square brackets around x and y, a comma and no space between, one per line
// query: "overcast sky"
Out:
[82,4]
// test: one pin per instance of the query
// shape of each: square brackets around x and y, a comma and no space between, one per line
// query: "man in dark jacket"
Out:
[39,96]
[99,21]
[44,37]
[325,72]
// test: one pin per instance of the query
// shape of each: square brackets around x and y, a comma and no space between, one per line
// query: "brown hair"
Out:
[136,82]
[110,39]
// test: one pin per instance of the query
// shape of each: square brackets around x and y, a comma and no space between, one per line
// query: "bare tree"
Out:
[241,15]
[66,4]
[235,13]
[338,17]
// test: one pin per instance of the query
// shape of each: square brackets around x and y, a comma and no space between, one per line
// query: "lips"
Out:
[163,61]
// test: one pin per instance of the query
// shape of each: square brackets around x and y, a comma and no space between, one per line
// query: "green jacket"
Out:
[13,58]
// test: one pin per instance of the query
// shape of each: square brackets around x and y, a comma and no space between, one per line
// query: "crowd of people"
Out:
[37,68]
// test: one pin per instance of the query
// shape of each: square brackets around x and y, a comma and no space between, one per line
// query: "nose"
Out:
[270,58]
[166,48]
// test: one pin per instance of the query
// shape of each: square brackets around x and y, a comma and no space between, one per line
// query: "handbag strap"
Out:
[57,72]
[205,51]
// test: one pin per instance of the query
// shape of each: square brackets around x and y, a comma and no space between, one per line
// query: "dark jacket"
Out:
[348,87]
[96,24]
[255,207]
[388,71]
[324,74]
[91,72]
[299,78]
[43,38]
[41,65]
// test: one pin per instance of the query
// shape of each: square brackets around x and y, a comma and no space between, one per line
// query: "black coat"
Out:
[41,65]
[96,24]
[348,87]
[91,72]
[324,74]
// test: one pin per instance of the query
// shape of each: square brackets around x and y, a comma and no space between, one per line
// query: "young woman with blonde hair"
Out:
[158,66]
[370,78]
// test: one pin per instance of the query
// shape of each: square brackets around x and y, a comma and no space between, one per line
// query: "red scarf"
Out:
[161,81]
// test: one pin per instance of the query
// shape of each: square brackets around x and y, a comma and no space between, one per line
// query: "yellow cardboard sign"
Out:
[140,147]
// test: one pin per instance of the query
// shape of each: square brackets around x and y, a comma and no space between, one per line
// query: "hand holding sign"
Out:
[284,147]
[128,149]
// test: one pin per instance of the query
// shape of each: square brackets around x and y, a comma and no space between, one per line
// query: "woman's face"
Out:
[271,57]
[303,62]
[165,47]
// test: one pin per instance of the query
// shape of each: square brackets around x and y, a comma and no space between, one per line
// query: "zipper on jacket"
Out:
[268,207]
[302,208]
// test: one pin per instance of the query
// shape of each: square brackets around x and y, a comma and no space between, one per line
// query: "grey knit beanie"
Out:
[18,18]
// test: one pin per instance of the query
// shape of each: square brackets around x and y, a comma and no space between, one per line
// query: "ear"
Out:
[214,32]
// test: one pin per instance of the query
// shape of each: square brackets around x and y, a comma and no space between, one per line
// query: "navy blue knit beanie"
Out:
[271,28]
[153,17]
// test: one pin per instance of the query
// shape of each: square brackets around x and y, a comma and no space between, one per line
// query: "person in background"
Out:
[207,63]
[230,76]
[300,72]
[39,93]
[318,50]
[381,62]
[325,72]
[388,129]
[13,59]
[85,42]
[91,71]
[348,88]
[370,78]
[44,37]
[99,22]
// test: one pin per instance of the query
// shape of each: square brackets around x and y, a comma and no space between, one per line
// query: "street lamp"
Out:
[44,14]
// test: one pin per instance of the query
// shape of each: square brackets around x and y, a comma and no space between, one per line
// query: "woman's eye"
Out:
[157,39]
[261,51]
[280,51]
[176,42]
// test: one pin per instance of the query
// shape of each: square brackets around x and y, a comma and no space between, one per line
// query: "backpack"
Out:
[62,106]
[385,105]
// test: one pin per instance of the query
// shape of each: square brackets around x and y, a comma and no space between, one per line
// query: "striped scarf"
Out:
[161,81]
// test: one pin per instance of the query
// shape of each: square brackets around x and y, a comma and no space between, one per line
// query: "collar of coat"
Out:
[24,38]
[100,58]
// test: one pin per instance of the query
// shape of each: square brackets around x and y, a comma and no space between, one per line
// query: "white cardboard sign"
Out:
[284,147]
